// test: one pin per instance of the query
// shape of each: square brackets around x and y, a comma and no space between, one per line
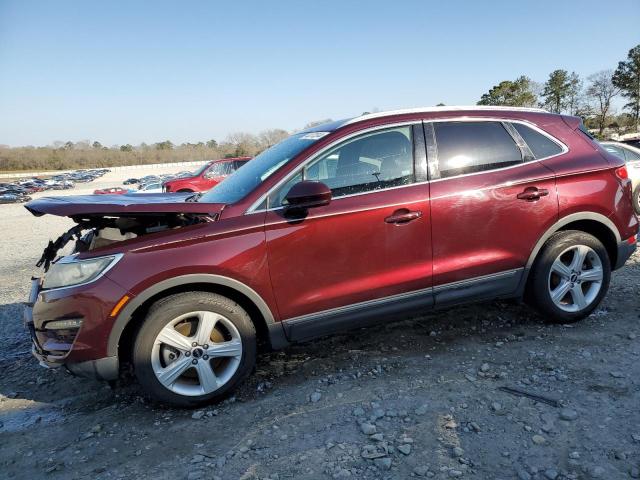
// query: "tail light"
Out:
[622,173]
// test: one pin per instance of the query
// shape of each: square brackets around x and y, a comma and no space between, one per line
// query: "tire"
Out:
[185,190]
[554,290]
[164,349]
[636,200]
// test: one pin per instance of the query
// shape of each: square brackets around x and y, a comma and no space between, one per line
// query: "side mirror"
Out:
[308,194]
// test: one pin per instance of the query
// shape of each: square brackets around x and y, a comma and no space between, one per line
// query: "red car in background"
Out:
[207,176]
[111,191]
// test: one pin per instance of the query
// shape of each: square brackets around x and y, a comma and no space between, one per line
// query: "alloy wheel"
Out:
[196,353]
[575,278]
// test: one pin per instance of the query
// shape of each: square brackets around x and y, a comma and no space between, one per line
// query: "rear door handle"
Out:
[403,216]
[531,194]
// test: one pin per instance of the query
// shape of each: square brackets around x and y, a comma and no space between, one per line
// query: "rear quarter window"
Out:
[540,145]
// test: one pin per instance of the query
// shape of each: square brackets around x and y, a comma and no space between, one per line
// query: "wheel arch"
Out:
[132,316]
[593,223]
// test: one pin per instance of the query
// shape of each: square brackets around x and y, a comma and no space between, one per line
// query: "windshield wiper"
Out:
[194,198]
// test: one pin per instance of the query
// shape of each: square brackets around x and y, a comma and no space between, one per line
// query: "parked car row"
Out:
[19,191]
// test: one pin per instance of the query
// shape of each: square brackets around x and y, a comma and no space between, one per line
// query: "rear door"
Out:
[491,200]
[372,242]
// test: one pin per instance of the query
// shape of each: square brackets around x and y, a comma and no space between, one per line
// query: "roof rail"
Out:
[445,108]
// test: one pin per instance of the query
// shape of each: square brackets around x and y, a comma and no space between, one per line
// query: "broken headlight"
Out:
[69,271]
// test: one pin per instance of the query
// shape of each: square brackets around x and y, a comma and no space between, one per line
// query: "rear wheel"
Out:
[570,277]
[194,348]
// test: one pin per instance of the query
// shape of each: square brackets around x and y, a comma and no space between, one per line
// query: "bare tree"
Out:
[267,138]
[601,90]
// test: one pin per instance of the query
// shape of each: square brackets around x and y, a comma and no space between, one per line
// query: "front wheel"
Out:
[570,277]
[636,200]
[194,348]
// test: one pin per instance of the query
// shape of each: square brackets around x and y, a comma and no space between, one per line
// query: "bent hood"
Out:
[121,205]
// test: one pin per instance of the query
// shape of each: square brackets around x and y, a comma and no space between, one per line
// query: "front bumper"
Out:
[83,350]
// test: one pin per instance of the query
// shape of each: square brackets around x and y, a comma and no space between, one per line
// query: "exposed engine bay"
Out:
[95,231]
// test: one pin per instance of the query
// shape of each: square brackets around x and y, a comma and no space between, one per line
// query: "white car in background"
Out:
[155,187]
[631,155]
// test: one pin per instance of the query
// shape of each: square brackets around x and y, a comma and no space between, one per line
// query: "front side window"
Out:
[469,147]
[540,145]
[373,161]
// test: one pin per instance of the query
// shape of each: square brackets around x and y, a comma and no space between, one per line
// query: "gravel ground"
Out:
[412,399]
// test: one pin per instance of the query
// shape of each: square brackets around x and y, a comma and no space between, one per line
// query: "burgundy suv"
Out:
[338,226]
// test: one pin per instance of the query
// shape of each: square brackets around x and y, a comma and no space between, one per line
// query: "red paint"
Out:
[206,180]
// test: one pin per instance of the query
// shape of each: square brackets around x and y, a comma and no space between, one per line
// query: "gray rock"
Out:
[198,415]
[421,471]
[568,414]
[405,448]
[484,367]
[383,463]
[315,397]
[522,473]
[457,452]
[421,410]
[496,407]
[358,411]
[538,440]
[597,472]
[634,472]
[551,473]
[342,473]
[368,428]
[455,473]
[616,374]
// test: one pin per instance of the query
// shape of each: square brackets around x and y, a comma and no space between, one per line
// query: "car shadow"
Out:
[433,332]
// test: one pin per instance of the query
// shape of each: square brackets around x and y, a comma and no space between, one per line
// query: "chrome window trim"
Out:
[319,153]
[425,122]
[565,148]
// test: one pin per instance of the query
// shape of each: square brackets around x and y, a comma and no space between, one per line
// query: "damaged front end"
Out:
[111,219]
[68,306]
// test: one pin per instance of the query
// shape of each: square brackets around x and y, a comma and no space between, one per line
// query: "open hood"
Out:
[103,220]
[121,205]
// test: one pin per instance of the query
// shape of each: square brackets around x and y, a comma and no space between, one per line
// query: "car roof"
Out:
[334,125]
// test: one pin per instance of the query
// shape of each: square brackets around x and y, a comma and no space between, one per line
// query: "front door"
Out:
[370,243]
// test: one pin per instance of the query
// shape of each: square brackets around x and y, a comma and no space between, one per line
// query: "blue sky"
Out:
[132,71]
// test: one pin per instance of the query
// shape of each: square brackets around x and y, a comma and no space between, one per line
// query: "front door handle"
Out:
[403,216]
[531,194]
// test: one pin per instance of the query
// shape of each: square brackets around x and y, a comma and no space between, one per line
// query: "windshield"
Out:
[201,169]
[244,180]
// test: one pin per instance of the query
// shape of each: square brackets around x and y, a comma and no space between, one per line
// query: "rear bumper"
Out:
[625,250]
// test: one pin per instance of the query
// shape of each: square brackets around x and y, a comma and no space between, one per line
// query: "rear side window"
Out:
[469,147]
[541,146]
[617,151]
[630,155]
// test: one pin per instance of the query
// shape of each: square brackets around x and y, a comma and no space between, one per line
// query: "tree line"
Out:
[591,99]
[86,154]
